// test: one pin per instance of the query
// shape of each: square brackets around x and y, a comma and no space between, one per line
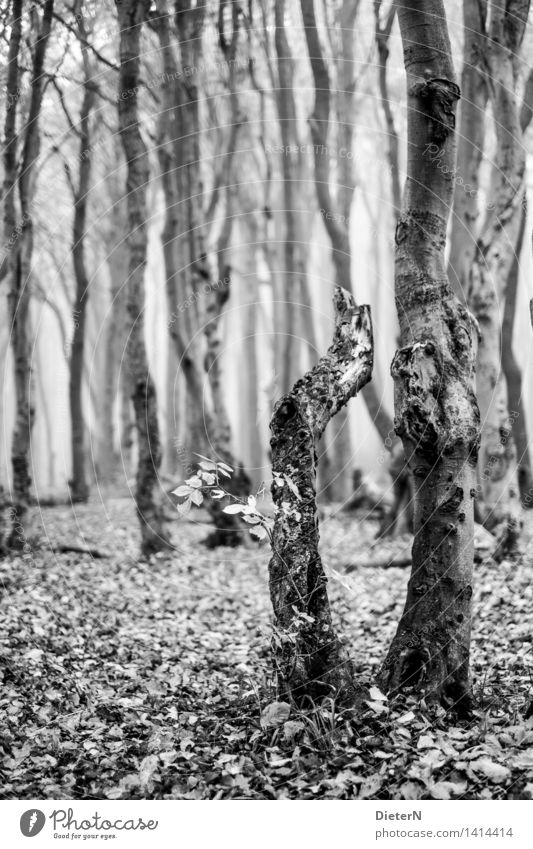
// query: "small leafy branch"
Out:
[210,481]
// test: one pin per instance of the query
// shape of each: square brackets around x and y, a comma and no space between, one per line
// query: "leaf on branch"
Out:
[259,531]
[182,491]
[234,508]
[225,466]
[197,497]
[185,507]
[217,493]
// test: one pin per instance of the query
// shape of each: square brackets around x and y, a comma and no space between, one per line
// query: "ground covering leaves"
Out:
[127,679]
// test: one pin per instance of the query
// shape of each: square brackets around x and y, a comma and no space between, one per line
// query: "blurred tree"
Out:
[79,488]
[132,15]
[19,176]
[492,265]
[335,206]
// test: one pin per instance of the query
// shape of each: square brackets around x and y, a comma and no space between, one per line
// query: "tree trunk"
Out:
[513,374]
[309,660]
[382,37]
[470,146]
[131,17]
[492,264]
[180,166]
[20,253]
[79,489]
[293,261]
[436,411]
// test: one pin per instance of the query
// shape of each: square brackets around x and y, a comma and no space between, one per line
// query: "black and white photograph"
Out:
[266,414]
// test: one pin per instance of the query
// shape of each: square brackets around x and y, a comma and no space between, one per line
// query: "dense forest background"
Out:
[242,190]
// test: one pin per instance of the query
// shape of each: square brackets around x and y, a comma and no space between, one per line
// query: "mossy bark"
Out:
[309,659]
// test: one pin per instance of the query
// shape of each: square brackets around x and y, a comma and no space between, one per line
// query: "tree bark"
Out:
[114,333]
[131,17]
[309,659]
[382,37]
[513,374]
[436,411]
[21,252]
[79,488]
[493,261]
[470,147]
[293,259]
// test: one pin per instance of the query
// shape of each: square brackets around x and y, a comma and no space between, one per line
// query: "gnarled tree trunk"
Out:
[309,659]
[436,411]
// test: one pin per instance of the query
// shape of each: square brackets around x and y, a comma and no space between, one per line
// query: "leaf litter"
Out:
[128,679]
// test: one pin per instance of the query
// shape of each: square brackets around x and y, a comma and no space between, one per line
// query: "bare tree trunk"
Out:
[183,233]
[131,17]
[513,374]
[309,659]
[436,411]
[210,427]
[21,253]
[48,424]
[127,423]
[382,36]
[114,340]
[492,263]
[79,489]
[470,146]
[294,260]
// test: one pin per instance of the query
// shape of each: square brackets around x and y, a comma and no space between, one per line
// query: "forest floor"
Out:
[127,679]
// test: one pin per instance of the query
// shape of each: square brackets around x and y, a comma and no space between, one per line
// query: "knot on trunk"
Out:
[437,99]
[417,372]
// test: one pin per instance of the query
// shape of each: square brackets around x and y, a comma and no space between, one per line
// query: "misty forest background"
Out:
[194,199]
